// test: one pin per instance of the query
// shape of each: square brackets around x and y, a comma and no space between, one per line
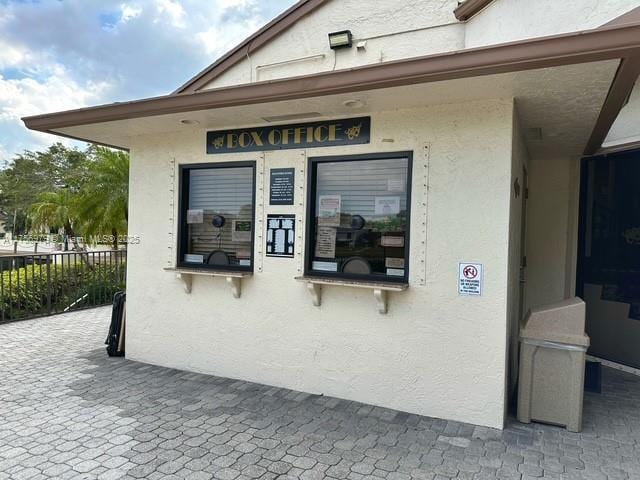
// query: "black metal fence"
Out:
[33,285]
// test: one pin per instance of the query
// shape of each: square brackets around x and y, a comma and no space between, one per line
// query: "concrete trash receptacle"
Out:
[552,361]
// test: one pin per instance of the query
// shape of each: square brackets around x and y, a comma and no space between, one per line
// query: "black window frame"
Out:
[310,212]
[183,205]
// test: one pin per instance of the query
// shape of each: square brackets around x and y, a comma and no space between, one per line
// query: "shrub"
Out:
[35,290]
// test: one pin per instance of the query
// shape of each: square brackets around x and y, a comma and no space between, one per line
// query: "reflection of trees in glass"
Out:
[388,224]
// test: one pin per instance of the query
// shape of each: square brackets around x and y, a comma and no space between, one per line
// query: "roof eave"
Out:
[620,42]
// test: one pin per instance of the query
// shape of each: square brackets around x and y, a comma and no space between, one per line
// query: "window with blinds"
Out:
[359,217]
[217,216]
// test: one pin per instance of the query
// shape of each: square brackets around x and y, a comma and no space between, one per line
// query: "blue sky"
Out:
[62,54]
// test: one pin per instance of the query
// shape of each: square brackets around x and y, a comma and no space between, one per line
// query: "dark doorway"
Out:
[609,255]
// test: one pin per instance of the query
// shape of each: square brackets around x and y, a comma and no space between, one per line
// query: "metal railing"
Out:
[34,285]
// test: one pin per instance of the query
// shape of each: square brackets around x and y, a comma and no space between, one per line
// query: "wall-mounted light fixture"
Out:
[341,39]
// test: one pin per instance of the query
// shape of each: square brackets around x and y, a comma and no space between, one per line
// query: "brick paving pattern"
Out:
[67,411]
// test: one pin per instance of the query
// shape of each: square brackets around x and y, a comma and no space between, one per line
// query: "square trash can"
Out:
[553,345]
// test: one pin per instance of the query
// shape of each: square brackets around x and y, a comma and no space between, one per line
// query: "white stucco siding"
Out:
[393,29]
[519,165]
[552,215]
[434,353]
[510,20]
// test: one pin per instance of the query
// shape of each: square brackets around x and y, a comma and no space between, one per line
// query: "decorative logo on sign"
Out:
[348,131]
[218,142]
[354,132]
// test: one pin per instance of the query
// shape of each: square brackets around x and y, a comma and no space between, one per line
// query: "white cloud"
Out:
[59,55]
[172,11]
[27,96]
[216,41]
[129,12]
[11,55]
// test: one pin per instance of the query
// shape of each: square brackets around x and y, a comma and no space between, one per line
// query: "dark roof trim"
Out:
[621,42]
[272,29]
[469,8]
[619,92]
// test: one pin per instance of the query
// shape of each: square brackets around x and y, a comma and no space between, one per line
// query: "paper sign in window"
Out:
[387,205]
[391,241]
[195,216]
[394,262]
[193,258]
[325,266]
[326,242]
[241,230]
[329,210]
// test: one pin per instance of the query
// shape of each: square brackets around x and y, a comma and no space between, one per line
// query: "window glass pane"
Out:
[361,218]
[219,216]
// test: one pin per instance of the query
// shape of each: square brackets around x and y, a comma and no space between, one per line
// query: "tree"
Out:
[55,209]
[30,174]
[102,202]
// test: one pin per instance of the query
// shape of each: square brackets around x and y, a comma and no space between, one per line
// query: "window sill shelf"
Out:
[380,290]
[234,279]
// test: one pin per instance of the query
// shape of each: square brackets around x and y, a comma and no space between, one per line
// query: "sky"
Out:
[63,54]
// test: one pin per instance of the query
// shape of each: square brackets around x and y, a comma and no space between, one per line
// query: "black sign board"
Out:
[281,239]
[347,131]
[282,186]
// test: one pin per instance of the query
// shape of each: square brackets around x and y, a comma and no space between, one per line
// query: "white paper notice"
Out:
[394,262]
[325,266]
[395,272]
[329,210]
[193,258]
[241,231]
[280,238]
[391,241]
[326,242]
[387,205]
[195,216]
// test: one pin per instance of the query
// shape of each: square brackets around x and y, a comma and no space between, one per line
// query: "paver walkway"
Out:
[69,411]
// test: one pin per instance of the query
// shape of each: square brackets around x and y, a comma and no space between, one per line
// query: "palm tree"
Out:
[55,209]
[102,203]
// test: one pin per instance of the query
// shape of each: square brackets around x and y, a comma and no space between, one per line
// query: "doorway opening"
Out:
[608,274]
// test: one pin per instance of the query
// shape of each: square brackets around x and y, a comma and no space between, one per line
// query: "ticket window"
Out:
[217,216]
[359,210]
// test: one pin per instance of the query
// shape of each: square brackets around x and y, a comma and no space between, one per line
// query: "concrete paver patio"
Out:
[69,411]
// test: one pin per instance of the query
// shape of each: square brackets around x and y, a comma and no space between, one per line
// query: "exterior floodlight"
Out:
[340,39]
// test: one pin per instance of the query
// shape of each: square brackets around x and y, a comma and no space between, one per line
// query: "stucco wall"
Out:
[519,164]
[551,245]
[397,29]
[393,29]
[509,20]
[435,353]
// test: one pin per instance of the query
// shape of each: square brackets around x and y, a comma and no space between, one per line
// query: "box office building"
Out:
[343,203]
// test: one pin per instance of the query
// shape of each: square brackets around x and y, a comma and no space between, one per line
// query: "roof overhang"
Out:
[612,43]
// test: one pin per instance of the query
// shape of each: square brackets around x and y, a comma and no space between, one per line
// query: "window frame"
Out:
[183,205]
[310,212]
